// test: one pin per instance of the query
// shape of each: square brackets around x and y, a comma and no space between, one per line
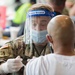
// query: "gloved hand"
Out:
[12,65]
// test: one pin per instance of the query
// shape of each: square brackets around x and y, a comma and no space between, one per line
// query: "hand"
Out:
[12,65]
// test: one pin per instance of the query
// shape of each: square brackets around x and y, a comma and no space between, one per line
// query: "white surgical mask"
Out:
[39,36]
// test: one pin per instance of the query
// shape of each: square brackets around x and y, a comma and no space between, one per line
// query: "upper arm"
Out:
[30,68]
[12,48]
[35,67]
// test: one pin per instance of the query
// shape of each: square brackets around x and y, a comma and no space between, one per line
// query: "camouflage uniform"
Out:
[17,47]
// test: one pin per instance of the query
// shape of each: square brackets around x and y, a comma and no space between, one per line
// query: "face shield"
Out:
[36,26]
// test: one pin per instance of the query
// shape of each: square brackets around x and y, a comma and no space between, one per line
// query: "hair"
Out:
[41,6]
[58,2]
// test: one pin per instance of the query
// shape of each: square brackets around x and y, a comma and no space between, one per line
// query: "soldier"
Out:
[35,42]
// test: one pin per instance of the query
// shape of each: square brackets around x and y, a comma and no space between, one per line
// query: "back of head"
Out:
[58,2]
[57,5]
[61,29]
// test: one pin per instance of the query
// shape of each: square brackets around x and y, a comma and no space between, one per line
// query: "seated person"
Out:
[62,61]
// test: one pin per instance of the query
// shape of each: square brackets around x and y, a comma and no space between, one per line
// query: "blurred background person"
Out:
[57,5]
[72,11]
[20,17]
[69,4]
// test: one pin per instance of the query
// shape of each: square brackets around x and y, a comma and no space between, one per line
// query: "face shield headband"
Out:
[40,12]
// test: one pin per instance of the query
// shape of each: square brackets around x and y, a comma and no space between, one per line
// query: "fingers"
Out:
[16,60]
[19,58]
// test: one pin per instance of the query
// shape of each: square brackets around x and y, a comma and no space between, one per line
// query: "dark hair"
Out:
[33,1]
[58,2]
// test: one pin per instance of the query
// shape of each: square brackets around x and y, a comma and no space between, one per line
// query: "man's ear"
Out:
[49,38]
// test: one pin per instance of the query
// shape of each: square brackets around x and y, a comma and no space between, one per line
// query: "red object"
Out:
[2,16]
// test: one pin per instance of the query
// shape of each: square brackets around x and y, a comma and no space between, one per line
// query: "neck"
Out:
[67,50]
[40,47]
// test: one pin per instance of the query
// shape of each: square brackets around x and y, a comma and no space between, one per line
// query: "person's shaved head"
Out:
[61,35]
[61,29]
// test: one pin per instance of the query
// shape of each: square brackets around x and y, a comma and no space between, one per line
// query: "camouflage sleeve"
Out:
[12,49]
